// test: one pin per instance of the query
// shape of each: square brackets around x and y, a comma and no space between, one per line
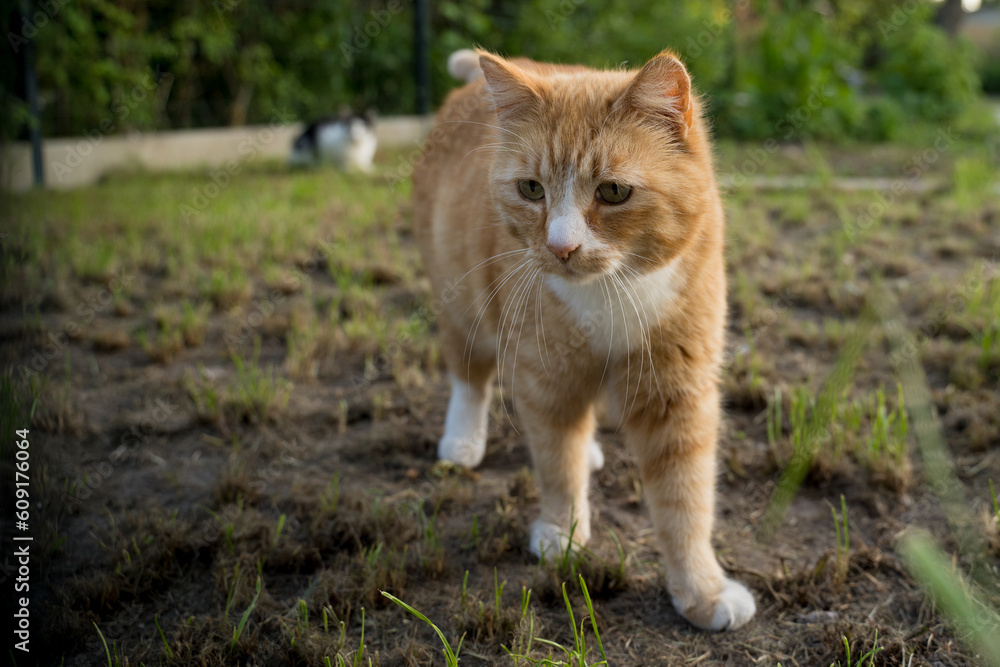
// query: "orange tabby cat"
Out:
[571,225]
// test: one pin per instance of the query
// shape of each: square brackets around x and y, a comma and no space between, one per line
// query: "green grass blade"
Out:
[361,644]
[572,619]
[450,656]
[933,570]
[238,630]
[103,641]
[817,426]
[163,638]
[593,620]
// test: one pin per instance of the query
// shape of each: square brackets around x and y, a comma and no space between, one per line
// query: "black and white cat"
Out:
[348,142]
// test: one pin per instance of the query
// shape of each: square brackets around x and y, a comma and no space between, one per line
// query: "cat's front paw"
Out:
[547,539]
[733,607]
[468,452]
[595,457]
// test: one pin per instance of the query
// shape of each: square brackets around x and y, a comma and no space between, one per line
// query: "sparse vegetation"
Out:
[246,472]
[843,545]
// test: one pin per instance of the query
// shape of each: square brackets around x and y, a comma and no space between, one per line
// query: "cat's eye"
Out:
[613,193]
[532,190]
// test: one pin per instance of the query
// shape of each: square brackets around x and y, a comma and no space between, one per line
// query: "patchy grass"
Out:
[242,407]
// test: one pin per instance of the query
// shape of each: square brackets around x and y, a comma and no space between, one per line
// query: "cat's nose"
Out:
[562,249]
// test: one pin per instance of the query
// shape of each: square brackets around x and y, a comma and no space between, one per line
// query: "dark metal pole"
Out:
[421,55]
[31,92]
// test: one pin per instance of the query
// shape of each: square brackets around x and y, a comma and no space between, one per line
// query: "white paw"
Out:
[595,456]
[735,607]
[464,440]
[468,452]
[547,540]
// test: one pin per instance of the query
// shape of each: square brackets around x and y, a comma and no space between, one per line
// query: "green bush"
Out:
[931,76]
[782,69]
[791,81]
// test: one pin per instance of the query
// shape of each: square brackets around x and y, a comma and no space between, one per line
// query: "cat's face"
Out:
[594,172]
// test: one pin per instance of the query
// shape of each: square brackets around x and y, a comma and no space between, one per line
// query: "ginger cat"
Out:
[572,228]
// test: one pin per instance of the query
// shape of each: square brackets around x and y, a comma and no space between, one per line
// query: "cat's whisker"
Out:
[507,145]
[628,356]
[500,147]
[540,327]
[659,289]
[643,283]
[470,339]
[611,338]
[517,296]
[647,335]
[496,147]
[485,262]
[642,257]
[507,313]
[511,308]
[491,225]
[600,133]
[502,279]
[504,276]
[521,139]
[642,342]
[524,309]
[649,330]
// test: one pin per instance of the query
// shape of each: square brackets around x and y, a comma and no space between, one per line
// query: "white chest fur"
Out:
[616,312]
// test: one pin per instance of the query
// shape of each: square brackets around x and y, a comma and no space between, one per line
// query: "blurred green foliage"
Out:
[782,69]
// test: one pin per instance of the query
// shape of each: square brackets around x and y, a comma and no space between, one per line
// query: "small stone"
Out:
[818,617]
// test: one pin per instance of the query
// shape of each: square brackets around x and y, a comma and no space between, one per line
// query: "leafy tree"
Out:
[768,68]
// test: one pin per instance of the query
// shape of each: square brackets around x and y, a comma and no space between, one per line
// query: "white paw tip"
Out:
[735,607]
[463,451]
[595,456]
[547,539]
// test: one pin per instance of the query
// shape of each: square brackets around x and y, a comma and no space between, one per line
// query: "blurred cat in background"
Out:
[347,141]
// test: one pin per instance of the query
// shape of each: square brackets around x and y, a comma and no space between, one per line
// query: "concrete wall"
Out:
[78,161]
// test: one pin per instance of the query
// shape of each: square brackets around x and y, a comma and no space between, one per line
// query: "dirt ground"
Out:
[225,471]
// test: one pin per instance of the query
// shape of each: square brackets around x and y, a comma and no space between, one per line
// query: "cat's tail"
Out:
[464,65]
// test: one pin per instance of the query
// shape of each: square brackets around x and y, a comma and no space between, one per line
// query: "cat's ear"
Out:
[514,91]
[662,90]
